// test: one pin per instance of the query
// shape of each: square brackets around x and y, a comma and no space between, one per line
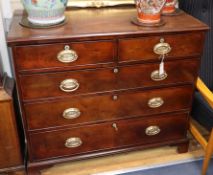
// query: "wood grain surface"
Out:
[11,158]
[113,71]
[85,24]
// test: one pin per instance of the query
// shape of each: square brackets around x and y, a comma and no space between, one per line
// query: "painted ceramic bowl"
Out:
[45,12]
[149,11]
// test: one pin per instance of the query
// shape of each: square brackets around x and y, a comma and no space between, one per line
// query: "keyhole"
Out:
[114,125]
[115,70]
[115,97]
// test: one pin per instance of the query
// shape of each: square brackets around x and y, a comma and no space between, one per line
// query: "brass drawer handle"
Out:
[152,130]
[162,48]
[69,85]
[67,55]
[73,142]
[157,77]
[71,113]
[155,102]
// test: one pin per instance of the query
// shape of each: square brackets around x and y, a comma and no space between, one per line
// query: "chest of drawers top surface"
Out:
[87,24]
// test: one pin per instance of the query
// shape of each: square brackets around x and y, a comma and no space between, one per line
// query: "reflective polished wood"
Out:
[11,159]
[121,103]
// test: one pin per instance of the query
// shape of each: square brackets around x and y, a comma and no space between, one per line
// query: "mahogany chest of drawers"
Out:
[92,87]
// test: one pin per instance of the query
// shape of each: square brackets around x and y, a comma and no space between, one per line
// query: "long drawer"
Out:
[106,136]
[87,110]
[103,80]
[142,49]
[65,55]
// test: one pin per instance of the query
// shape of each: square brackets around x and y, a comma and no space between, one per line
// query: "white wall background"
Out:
[6,12]
[5,16]
[15,4]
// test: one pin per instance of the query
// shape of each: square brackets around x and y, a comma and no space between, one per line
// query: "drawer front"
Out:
[54,56]
[107,136]
[84,110]
[104,80]
[182,45]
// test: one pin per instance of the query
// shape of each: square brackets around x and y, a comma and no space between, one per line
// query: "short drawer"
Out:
[87,110]
[141,49]
[108,136]
[104,80]
[66,55]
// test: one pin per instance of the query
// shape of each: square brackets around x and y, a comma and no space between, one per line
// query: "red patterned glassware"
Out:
[149,11]
[170,6]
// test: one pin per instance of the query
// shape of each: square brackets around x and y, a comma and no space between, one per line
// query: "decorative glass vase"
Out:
[149,11]
[45,12]
[170,6]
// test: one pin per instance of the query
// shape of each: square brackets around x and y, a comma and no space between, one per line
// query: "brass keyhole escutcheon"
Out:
[115,70]
[114,125]
[115,97]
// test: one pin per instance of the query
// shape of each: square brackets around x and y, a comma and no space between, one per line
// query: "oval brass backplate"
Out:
[155,102]
[162,48]
[152,130]
[157,77]
[71,113]
[73,142]
[67,55]
[69,85]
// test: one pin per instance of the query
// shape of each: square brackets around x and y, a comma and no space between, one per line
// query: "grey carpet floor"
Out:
[190,168]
